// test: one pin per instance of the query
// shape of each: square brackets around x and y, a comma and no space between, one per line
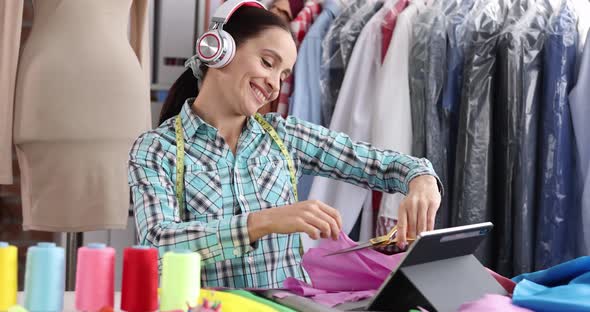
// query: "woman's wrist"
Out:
[259,224]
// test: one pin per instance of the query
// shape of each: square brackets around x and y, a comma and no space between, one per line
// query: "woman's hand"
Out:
[311,216]
[418,209]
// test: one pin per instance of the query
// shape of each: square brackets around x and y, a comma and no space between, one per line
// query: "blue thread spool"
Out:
[45,278]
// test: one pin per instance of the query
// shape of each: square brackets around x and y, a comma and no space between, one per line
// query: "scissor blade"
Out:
[355,248]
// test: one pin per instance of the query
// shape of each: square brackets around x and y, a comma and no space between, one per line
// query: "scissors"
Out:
[376,242]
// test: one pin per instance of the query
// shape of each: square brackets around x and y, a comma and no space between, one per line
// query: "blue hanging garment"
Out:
[557,215]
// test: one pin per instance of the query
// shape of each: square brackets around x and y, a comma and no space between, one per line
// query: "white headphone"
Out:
[216,48]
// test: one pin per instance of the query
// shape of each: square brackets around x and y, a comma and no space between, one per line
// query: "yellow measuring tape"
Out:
[180,158]
[180,166]
[275,137]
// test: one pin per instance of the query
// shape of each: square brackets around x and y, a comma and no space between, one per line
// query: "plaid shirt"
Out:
[222,189]
[299,27]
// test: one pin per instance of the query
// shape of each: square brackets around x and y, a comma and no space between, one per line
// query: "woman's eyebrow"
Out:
[274,53]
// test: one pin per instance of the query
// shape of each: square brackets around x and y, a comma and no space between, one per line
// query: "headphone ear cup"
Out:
[209,47]
[228,50]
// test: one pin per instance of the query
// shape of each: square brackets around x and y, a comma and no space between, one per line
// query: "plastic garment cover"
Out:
[418,60]
[427,75]
[558,207]
[472,185]
[352,29]
[565,287]
[451,97]
[515,121]
[580,110]
[492,303]
[332,65]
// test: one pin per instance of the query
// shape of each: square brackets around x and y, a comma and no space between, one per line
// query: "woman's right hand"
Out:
[311,216]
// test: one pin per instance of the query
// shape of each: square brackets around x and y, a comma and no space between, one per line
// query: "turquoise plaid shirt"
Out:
[221,189]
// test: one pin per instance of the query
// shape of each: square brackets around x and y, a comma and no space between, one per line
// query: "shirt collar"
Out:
[191,122]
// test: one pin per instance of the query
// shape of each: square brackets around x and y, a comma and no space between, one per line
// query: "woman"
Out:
[240,209]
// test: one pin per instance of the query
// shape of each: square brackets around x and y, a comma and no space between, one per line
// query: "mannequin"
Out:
[79,99]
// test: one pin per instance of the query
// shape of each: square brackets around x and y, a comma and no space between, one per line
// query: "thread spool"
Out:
[181,280]
[139,289]
[8,275]
[95,277]
[45,278]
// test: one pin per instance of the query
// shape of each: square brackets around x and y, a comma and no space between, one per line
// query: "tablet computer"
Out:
[438,273]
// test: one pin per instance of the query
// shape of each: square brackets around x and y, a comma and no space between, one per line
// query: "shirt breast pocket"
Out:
[271,180]
[203,193]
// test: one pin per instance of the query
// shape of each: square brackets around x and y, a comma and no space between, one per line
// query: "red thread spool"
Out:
[139,291]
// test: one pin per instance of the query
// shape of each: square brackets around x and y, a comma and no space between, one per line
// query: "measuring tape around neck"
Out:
[180,158]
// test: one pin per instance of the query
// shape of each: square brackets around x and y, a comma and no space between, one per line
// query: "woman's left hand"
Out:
[417,210]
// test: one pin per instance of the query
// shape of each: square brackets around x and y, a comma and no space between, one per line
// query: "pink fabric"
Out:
[492,303]
[353,271]
[334,299]
[351,276]
[323,297]
[301,288]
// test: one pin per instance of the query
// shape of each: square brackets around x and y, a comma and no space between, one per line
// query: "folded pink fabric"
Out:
[492,303]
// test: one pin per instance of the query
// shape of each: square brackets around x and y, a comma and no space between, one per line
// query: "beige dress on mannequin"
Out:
[81,98]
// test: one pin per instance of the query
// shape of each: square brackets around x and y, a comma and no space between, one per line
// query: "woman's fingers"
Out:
[402,225]
[422,212]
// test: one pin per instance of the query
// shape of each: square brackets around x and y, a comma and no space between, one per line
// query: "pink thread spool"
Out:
[95,277]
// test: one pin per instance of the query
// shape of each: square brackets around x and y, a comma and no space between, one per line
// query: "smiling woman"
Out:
[239,171]
[263,30]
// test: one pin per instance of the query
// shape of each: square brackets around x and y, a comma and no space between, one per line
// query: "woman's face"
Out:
[254,76]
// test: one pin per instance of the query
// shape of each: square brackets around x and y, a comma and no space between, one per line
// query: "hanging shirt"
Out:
[429,57]
[352,29]
[451,95]
[472,190]
[353,115]
[388,25]
[221,189]
[516,119]
[332,64]
[558,205]
[449,102]
[305,101]
[299,27]
[392,109]
[580,111]
[582,10]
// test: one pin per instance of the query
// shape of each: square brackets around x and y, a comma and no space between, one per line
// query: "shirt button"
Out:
[250,259]
[242,197]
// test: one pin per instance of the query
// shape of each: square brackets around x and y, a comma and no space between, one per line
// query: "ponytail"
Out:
[183,88]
